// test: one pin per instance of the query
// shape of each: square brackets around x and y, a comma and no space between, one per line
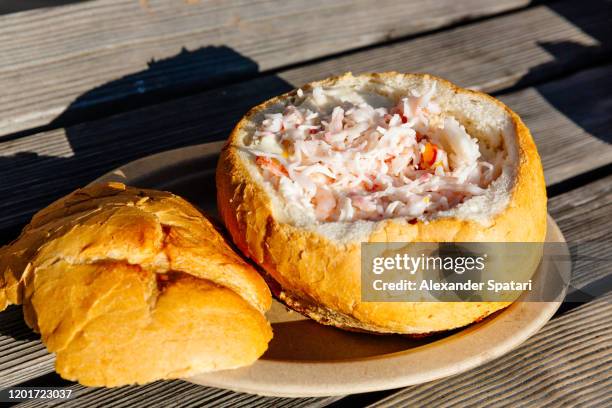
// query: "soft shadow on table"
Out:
[574,104]
[301,340]
[186,73]
[14,6]
[13,325]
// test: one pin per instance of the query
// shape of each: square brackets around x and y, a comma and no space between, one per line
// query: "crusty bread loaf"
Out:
[316,265]
[128,285]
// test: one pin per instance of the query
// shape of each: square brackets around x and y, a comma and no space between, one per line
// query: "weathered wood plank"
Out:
[584,218]
[514,50]
[584,213]
[570,122]
[173,394]
[56,57]
[567,363]
[37,169]
[22,355]
[14,6]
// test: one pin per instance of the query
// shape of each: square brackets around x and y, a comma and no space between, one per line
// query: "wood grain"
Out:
[519,49]
[22,355]
[567,363]
[54,58]
[570,121]
[584,219]
[174,394]
[37,169]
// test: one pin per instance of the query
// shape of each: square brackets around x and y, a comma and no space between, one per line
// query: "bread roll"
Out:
[127,286]
[298,200]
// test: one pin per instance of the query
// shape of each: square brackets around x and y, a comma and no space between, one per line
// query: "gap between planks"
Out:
[81,50]
[537,43]
[513,50]
[565,363]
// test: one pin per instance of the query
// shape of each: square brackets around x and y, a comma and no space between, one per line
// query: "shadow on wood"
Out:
[14,6]
[574,105]
[183,74]
[13,325]
[198,120]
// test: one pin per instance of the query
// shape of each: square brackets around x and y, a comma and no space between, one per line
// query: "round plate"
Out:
[308,359]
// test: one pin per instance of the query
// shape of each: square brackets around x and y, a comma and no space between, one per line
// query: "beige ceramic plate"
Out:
[308,359]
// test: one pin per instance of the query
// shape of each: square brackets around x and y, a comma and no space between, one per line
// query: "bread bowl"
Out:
[129,285]
[274,197]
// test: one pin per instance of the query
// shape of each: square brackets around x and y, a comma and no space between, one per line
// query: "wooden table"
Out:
[88,86]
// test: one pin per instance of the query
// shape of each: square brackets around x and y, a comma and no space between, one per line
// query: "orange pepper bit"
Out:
[429,155]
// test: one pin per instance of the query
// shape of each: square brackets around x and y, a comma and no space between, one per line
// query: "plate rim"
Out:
[249,379]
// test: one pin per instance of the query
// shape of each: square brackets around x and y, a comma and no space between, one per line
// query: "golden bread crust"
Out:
[129,285]
[321,277]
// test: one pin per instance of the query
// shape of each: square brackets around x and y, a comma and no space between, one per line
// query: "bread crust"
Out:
[321,278]
[129,285]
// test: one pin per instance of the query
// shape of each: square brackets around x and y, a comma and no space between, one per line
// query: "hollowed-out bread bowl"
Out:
[311,253]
